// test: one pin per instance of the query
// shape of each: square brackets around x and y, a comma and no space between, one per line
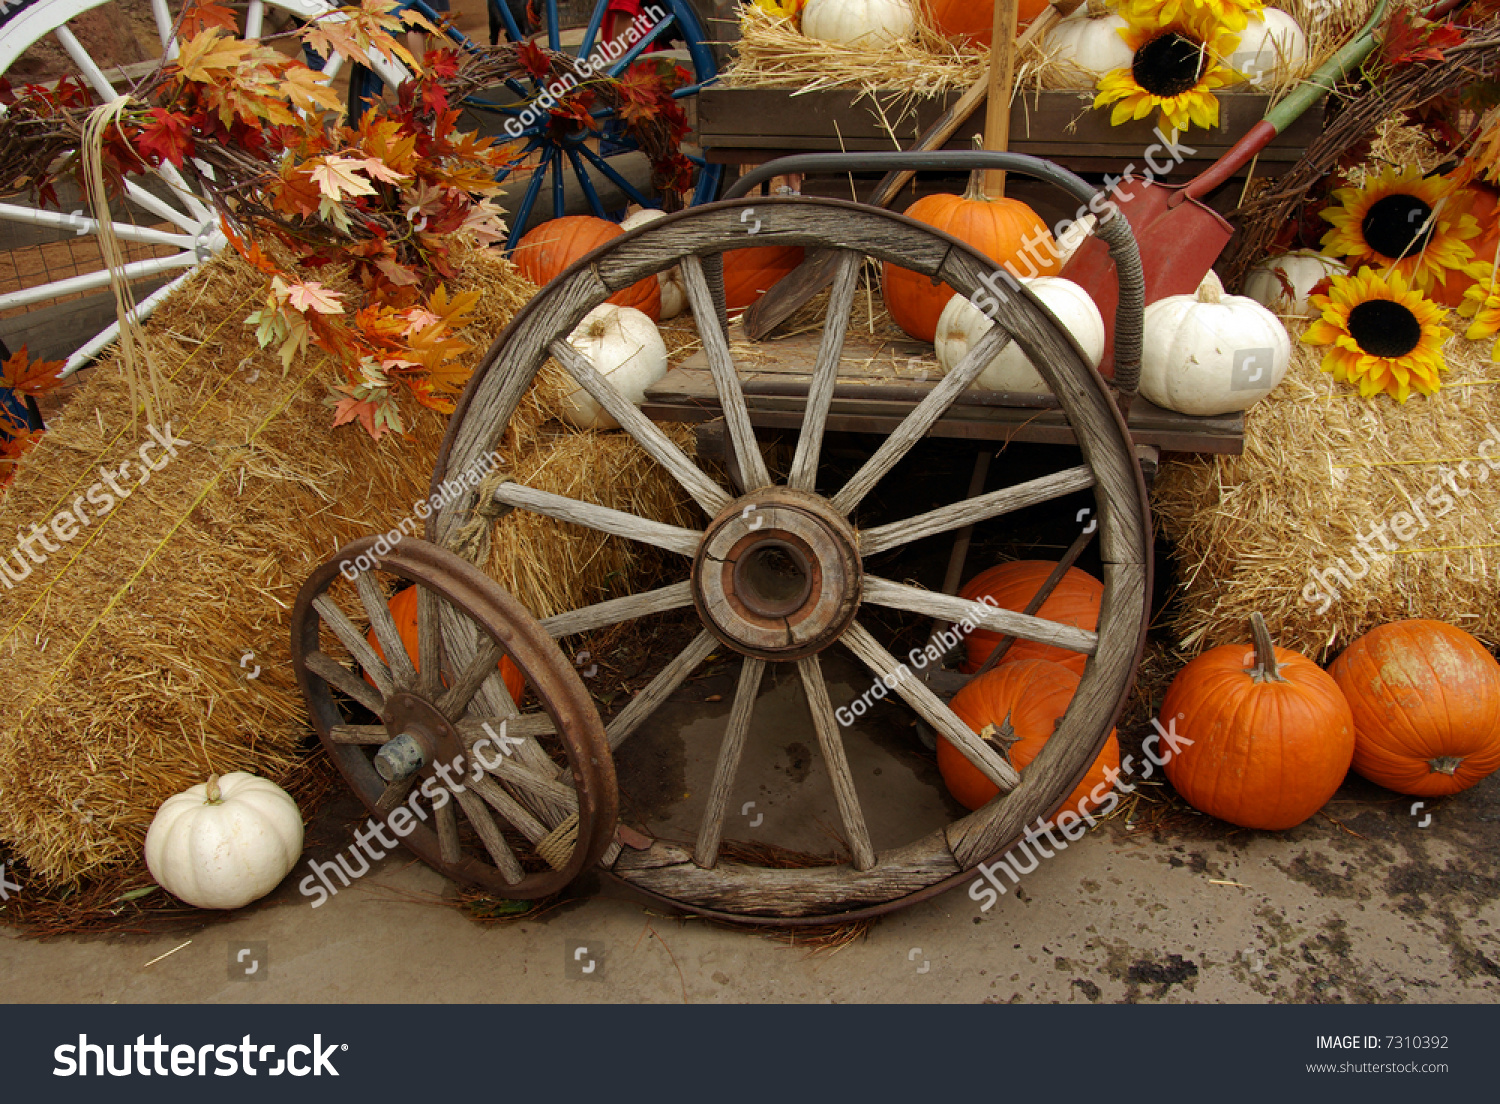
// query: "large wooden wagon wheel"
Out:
[517,802]
[735,568]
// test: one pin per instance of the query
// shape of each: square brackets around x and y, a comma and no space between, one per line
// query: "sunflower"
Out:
[1385,336]
[1404,222]
[1482,303]
[1230,14]
[1177,64]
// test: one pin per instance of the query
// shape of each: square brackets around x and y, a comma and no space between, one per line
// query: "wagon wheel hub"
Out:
[778,575]
[420,735]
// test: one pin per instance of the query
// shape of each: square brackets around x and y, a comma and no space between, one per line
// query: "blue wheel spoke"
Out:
[615,178]
[635,51]
[533,144]
[528,201]
[592,31]
[559,193]
[554,35]
[586,184]
[694,89]
[508,21]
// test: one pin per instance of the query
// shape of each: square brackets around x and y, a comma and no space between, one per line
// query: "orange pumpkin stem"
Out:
[1002,736]
[1445,764]
[1266,668]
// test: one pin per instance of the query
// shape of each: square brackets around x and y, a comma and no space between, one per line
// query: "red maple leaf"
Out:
[167,137]
[434,97]
[533,60]
[200,16]
[441,63]
[29,377]
[350,408]
[1410,38]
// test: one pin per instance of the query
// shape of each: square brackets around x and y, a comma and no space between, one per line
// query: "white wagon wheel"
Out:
[742,608]
[163,211]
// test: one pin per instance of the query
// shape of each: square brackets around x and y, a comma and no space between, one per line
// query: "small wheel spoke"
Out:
[674,538]
[359,734]
[973,510]
[832,744]
[884,592]
[449,848]
[429,641]
[335,674]
[659,689]
[350,636]
[711,831]
[615,610]
[647,434]
[899,678]
[489,834]
[395,793]
[726,380]
[596,206]
[916,424]
[473,728]
[403,671]
[804,472]
[511,810]
[456,699]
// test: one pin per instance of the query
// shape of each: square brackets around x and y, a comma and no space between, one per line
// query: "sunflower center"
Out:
[1384,328]
[1396,225]
[1168,65]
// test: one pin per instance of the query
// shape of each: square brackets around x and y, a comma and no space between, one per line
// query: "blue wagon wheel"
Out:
[554,153]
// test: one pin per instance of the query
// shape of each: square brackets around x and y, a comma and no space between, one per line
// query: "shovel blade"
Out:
[1179,243]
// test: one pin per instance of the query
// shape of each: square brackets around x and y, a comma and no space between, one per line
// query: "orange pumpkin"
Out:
[749,273]
[1074,602]
[1004,230]
[403,605]
[1426,704]
[966,19]
[1481,201]
[551,247]
[1031,695]
[1266,735]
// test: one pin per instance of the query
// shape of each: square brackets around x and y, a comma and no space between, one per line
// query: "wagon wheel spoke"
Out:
[489,834]
[336,675]
[615,610]
[395,793]
[804,471]
[899,678]
[726,380]
[659,689]
[832,745]
[429,642]
[360,734]
[618,523]
[730,752]
[403,672]
[447,829]
[455,700]
[355,641]
[884,592]
[973,510]
[704,491]
[916,424]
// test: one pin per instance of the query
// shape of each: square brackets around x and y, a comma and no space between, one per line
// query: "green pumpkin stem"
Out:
[1266,668]
[211,791]
[1445,764]
[1002,736]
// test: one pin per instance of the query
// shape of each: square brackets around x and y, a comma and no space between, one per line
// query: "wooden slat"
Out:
[395,793]
[976,509]
[359,734]
[804,471]
[429,641]
[704,491]
[355,641]
[509,808]
[668,679]
[900,678]
[447,831]
[832,743]
[334,673]
[929,603]
[615,610]
[674,538]
[489,834]
[457,697]
[403,671]
[711,829]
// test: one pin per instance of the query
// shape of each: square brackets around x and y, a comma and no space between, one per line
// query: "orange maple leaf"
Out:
[30,377]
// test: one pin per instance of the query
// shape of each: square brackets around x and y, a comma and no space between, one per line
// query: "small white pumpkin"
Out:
[1301,269]
[626,347]
[962,324]
[673,289]
[1091,41]
[1211,353]
[867,23]
[1271,45]
[225,842]
[1074,236]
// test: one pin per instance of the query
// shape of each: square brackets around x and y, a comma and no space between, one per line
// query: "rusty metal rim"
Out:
[547,672]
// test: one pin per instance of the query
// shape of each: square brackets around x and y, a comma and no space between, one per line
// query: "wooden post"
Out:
[997,106]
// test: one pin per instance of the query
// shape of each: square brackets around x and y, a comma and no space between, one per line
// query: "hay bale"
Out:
[1276,529]
[123,650]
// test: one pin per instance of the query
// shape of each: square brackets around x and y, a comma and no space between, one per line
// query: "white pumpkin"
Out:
[1074,236]
[225,842]
[962,324]
[624,345]
[673,289]
[1091,41]
[1301,269]
[1211,353]
[868,23]
[1271,45]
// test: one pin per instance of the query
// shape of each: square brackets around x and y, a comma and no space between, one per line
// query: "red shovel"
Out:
[1180,236]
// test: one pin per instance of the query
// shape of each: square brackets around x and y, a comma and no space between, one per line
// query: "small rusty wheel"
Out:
[516,802]
[779,573]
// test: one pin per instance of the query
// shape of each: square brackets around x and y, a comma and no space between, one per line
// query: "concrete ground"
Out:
[1375,909]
